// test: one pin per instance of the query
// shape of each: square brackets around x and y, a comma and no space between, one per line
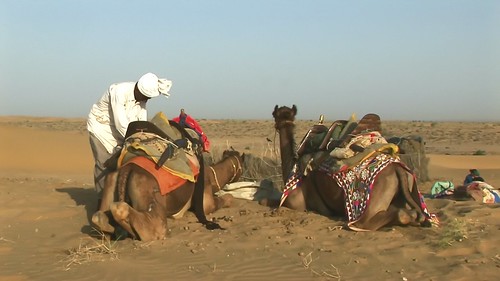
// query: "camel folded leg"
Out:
[120,212]
[212,203]
[146,226]
[101,220]
[369,222]
[392,216]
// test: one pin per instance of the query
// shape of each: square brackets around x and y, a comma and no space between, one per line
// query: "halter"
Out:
[235,169]
[283,123]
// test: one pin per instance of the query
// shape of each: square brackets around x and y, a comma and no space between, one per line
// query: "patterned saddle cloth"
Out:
[357,183]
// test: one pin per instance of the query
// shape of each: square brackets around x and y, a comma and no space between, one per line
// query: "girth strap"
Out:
[198,195]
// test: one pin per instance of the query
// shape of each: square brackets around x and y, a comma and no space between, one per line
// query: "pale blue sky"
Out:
[405,60]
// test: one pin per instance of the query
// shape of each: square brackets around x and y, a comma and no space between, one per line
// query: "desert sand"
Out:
[47,197]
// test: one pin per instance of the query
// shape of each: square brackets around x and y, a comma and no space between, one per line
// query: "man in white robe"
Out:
[109,118]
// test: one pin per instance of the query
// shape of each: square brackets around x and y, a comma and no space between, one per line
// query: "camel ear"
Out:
[243,157]
[275,110]
[294,109]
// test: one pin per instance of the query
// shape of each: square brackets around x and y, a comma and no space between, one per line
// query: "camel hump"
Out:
[369,123]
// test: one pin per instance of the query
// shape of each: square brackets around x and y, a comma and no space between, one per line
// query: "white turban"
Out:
[151,86]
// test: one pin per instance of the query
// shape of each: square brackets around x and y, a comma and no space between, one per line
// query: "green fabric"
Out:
[152,147]
[315,141]
[160,120]
[346,128]
[387,148]
[336,132]
[441,187]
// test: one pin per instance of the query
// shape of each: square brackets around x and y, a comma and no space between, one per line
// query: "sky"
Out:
[229,59]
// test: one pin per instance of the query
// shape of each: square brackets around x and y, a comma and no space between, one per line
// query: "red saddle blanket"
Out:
[167,181]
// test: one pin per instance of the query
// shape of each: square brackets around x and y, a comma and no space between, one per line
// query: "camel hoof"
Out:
[120,210]
[264,202]
[406,217]
[101,220]
[269,203]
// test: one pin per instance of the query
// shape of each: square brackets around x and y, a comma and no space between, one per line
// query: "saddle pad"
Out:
[151,146]
[167,181]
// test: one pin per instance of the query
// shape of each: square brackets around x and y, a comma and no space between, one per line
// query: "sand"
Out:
[47,197]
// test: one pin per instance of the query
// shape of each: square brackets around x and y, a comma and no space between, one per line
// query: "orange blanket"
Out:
[166,180]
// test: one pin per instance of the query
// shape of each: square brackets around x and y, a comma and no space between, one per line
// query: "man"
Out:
[473,176]
[109,118]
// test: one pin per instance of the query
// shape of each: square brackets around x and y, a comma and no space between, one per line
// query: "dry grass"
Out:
[6,240]
[454,231]
[91,249]
[307,261]
[266,166]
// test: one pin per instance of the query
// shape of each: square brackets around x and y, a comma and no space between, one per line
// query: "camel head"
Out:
[228,153]
[284,114]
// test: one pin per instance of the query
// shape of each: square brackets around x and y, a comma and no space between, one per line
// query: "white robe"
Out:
[109,117]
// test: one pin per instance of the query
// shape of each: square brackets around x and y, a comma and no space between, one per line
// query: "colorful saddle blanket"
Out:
[357,183]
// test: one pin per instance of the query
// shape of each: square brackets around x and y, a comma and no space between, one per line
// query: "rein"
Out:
[235,171]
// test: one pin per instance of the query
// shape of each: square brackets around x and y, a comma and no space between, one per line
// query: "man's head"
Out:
[150,86]
[474,172]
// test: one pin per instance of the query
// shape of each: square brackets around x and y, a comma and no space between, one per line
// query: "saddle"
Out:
[339,141]
[340,132]
[178,136]
[165,143]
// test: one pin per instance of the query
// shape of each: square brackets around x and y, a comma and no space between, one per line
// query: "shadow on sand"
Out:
[86,197]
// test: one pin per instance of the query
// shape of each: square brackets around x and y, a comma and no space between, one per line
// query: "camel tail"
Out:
[122,181]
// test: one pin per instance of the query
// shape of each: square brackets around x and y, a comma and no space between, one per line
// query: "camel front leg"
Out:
[212,203]
[120,212]
[146,226]
[102,217]
[377,221]
[108,193]
[296,200]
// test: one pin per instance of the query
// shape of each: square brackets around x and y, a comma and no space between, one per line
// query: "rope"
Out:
[236,170]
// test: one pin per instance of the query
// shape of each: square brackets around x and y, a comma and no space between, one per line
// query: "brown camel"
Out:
[394,197]
[131,199]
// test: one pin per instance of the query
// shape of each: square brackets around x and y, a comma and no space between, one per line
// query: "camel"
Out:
[394,197]
[132,201]
[216,176]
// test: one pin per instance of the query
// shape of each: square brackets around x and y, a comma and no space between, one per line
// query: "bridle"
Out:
[283,123]
[236,170]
